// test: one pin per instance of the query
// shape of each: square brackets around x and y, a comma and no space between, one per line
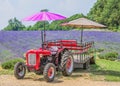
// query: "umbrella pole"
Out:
[42,38]
[44,33]
[81,36]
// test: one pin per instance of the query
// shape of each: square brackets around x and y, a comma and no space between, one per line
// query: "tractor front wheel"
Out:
[19,70]
[49,72]
[67,63]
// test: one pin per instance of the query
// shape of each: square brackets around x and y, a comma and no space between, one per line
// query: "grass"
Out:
[102,70]
[110,70]
[5,72]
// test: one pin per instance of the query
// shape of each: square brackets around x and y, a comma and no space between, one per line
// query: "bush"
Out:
[109,56]
[100,50]
[101,56]
[10,64]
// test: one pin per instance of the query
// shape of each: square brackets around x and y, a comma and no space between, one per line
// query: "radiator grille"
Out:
[32,59]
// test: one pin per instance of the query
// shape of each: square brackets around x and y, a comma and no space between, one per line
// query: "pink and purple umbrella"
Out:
[44,16]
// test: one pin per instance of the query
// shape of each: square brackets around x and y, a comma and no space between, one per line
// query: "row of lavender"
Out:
[15,43]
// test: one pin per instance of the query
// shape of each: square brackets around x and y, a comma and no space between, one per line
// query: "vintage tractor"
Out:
[57,55]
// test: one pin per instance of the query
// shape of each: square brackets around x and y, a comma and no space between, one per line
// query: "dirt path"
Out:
[10,80]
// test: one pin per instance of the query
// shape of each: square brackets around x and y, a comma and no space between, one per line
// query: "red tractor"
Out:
[58,55]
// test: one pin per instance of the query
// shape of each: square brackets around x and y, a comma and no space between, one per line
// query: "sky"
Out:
[23,8]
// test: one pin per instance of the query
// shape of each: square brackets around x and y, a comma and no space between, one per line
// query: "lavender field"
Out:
[14,44]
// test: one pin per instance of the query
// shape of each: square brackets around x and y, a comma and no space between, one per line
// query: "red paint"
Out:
[38,53]
[50,72]
[68,64]
[61,44]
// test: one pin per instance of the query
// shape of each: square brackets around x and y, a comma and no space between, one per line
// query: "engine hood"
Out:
[39,51]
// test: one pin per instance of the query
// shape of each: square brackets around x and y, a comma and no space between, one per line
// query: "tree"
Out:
[40,25]
[14,24]
[106,12]
[55,25]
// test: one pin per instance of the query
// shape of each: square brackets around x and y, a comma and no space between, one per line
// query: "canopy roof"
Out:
[83,23]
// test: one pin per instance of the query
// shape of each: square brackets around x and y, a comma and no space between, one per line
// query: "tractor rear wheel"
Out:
[67,64]
[19,70]
[49,72]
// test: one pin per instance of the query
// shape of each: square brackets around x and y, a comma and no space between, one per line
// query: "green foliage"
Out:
[6,72]
[75,16]
[55,25]
[105,69]
[14,24]
[100,50]
[106,12]
[101,56]
[38,26]
[5,55]
[109,56]
[10,64]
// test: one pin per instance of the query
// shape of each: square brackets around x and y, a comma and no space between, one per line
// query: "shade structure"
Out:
[44,16]
[83,23]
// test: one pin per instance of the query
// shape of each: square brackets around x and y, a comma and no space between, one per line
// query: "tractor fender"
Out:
[61,51]
[59,54]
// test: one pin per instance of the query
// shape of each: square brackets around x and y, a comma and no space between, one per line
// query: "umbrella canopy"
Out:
[83,23]
[44,16]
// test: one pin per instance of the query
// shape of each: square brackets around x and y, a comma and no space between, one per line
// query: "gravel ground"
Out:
[10,80]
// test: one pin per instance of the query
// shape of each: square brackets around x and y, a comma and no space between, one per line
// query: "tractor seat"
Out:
[53,49]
